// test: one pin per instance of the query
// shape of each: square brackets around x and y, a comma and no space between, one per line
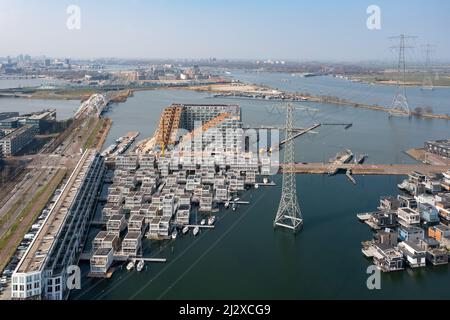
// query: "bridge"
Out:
[369,169]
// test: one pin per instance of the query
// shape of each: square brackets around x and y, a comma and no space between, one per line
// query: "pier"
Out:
[298,134]
[200,226]
[86,256]
[369,169]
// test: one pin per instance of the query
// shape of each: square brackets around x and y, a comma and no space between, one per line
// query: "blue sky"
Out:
[296,30]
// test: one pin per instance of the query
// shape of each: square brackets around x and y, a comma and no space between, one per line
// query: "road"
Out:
[43,170]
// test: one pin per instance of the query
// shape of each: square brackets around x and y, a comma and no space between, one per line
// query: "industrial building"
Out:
[42,272]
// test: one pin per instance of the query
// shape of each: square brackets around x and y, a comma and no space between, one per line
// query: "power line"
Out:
[400,105]
[289,214]
[427,83]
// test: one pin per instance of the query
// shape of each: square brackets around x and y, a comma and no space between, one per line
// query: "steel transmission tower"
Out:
[289,214]
[427,83]
[400,105]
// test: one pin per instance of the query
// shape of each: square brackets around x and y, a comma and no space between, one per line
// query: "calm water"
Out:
[438,99]
[64,108]
[19,83]
[244,257]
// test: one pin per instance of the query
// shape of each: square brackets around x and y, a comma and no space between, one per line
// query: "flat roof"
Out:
[132,235]
[411,229]
[110,237]
[102,252]
[414,246]
[18,131]
[442,227]
[408,210]
[137,217]
[14,119]
[443,142]
[117,217]
[101,235]
[40,249]
[41,116]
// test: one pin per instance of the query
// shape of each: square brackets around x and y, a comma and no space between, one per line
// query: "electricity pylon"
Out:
[289,214]
[400,105]
[427,83]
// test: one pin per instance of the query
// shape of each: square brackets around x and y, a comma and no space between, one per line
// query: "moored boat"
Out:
[140,265]
[196,231]
[130,265]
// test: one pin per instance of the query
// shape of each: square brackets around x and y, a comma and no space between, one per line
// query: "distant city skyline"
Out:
[284,30]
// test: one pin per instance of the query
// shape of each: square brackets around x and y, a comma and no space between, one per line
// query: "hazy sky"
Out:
[300,30]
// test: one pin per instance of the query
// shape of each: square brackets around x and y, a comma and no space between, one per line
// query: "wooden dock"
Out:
[369,169]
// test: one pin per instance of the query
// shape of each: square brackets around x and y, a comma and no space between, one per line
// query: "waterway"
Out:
[438,99]
[244,257]
[64,108]
[23,83]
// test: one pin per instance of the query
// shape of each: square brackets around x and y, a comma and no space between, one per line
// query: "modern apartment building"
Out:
[42,272]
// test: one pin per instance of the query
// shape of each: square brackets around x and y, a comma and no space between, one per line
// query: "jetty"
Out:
[369,169]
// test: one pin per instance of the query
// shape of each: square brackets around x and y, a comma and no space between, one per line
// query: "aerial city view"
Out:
[224,150]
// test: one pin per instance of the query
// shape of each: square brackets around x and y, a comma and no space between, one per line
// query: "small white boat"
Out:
[185,230]
[234,207]
[140,265]
[256,186]
[266,180]
[227,204]
[174,234]
[203,222]
[130,265]
[237,199]
[196,231]
[211,220]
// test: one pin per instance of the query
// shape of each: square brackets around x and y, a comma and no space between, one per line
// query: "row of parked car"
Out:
[5,277]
